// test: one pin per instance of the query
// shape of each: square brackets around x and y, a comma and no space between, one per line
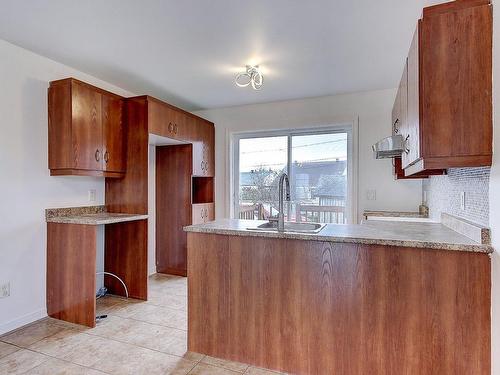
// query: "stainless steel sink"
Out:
[291,227]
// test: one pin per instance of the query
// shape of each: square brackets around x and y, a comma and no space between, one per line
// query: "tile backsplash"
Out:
[442,194]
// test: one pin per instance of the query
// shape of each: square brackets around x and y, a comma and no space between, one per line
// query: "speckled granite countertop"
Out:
[404,234]
[91,215]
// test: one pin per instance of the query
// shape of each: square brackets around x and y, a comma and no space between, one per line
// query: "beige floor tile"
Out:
[204,369]
[6,349]
[73,346]
[175,286]
[230,365]
[20,362]
[124,359]
[194,357]
[110,305]
[161,298]
[262,371]
[34,332]
[162,316]
[55,366]
[155,337]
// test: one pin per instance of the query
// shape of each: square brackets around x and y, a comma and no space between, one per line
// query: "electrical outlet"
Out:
[5,290]
[91,195]
[371,195]
[462,200]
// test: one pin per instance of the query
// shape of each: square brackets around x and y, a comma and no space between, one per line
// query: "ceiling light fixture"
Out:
[253,76]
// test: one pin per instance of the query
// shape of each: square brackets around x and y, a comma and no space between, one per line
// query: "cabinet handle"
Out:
[175,128]
[106,156]
[170,127]
[97,155]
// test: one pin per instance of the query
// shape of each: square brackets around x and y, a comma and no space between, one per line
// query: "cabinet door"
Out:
[203,149]
[114,146]
[86,128]
[203,213]
[413,121]
[166,121]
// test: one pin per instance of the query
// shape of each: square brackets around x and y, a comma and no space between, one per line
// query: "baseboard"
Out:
[23,320]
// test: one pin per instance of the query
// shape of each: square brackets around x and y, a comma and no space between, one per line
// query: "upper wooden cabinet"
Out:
[85,130]
[203,149]
[448,120]
[400,125]
[167,121]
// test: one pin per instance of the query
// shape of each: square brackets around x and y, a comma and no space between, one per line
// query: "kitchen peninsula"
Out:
[353,299]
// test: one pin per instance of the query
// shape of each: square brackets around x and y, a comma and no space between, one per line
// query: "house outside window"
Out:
[320,167]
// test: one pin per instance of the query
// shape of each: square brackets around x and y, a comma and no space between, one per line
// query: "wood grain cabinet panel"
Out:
[332,308]
[167,121]
[85,130]
[114,159]
[449,88]
[203,212]
[204,149]
[173,207]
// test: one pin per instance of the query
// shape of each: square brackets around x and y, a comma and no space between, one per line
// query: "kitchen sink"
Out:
[291,227]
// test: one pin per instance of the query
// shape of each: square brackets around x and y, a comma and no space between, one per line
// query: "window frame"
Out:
[352,160]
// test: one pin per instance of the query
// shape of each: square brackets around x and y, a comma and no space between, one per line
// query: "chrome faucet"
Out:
[281,214]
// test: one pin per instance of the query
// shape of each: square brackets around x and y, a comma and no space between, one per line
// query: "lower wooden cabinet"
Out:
[203,213]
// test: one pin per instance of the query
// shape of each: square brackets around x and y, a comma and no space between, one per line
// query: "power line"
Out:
[284,164]
[293,147]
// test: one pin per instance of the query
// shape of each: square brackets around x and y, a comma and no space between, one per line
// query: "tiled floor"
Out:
[136,338]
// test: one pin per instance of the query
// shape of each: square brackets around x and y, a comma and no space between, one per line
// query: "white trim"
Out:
[350,127]
[22,321]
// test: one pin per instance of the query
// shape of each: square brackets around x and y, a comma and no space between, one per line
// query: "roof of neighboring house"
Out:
[320,174]
[331,186]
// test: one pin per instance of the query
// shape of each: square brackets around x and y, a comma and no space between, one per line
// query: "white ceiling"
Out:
[187,52]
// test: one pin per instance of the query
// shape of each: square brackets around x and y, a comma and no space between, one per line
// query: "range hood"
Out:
[389,147]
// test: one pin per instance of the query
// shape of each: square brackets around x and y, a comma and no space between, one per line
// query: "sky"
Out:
[271,152]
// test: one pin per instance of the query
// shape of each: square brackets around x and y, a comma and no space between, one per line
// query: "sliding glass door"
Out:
[317,163]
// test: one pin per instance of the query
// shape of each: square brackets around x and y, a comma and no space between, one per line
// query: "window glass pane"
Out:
[319,178]
[261,161]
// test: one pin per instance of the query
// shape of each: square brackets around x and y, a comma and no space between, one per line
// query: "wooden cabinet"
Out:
[168,121]
[449,88]
[338,308]
[114,134]
[203,212]
[401,125]
[173,207]
[85,130]
[204,149]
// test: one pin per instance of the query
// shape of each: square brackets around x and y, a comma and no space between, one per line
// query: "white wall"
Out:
[495,197]
[374,112]
[26,189]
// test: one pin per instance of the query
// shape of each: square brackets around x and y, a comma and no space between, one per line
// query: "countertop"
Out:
[96,219]
[403,234]
[89,215]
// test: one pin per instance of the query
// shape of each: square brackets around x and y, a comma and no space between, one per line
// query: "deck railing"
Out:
[320,214]
[252,212]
